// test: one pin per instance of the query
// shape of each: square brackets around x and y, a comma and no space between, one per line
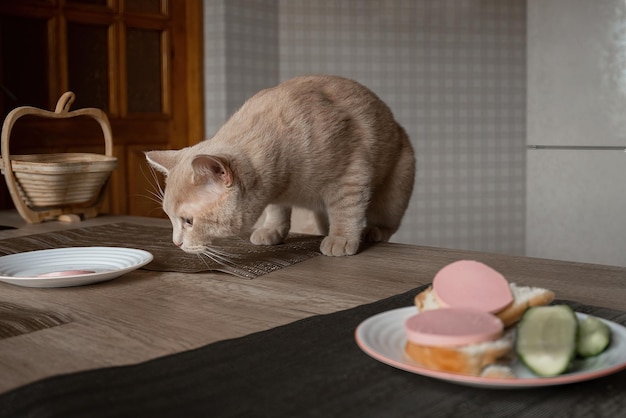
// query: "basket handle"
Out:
[65,101]
[62,111]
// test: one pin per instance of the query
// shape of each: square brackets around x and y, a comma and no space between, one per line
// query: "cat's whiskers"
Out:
[204,261]
[157,193]
[219,256]
[154,197]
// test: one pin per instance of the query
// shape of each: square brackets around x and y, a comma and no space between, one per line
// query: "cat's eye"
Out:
[187,221]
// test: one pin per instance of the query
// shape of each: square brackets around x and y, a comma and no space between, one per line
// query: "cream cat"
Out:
[320,142]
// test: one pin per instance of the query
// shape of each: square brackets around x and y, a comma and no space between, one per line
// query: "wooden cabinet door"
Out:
[138,60]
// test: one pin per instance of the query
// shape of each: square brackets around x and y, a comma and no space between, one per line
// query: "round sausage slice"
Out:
[472,284]
[452,327]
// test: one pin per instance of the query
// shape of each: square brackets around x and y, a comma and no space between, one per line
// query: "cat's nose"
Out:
[178,244]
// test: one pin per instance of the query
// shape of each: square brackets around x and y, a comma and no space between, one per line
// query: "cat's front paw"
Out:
[339,246]
[266,236]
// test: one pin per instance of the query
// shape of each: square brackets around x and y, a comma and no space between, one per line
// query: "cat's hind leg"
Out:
[390,200]
[275,226]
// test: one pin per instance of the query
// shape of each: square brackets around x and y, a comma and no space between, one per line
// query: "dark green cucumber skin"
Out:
[524,322]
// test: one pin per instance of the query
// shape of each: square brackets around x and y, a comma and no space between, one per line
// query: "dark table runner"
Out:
[310,368]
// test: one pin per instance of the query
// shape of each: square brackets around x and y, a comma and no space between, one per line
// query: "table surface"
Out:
[147,314]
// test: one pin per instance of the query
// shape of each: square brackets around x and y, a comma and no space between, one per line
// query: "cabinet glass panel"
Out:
[143,6]
[87,64]
[23,76]
[89,2]
[143,70]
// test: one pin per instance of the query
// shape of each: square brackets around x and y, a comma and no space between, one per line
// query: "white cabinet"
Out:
[576,205]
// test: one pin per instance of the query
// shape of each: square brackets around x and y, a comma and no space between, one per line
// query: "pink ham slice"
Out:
[452,327]
[66,273]
[472,284]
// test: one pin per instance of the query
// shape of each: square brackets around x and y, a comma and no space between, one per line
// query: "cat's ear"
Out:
[162,161]
[211,168]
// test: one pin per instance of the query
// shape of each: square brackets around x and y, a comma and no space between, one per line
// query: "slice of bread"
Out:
[472,359]
[523,298]
[498,371]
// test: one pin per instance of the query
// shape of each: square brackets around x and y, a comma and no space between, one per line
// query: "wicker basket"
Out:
[47,186]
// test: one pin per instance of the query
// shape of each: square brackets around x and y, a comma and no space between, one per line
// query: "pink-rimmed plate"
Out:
[382,337]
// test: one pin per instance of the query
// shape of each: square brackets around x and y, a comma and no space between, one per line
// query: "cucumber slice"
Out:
[594,337]
[546,339]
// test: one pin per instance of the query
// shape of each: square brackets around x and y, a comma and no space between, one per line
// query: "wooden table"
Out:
[146,314]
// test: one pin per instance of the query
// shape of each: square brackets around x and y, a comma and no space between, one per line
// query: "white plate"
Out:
[106,263]
[382,337]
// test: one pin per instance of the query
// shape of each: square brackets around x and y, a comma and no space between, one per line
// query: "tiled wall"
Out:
[452,71]
[251,48]
[214,65]
[241,54]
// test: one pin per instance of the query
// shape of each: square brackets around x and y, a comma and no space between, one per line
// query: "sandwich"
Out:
[458,331]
